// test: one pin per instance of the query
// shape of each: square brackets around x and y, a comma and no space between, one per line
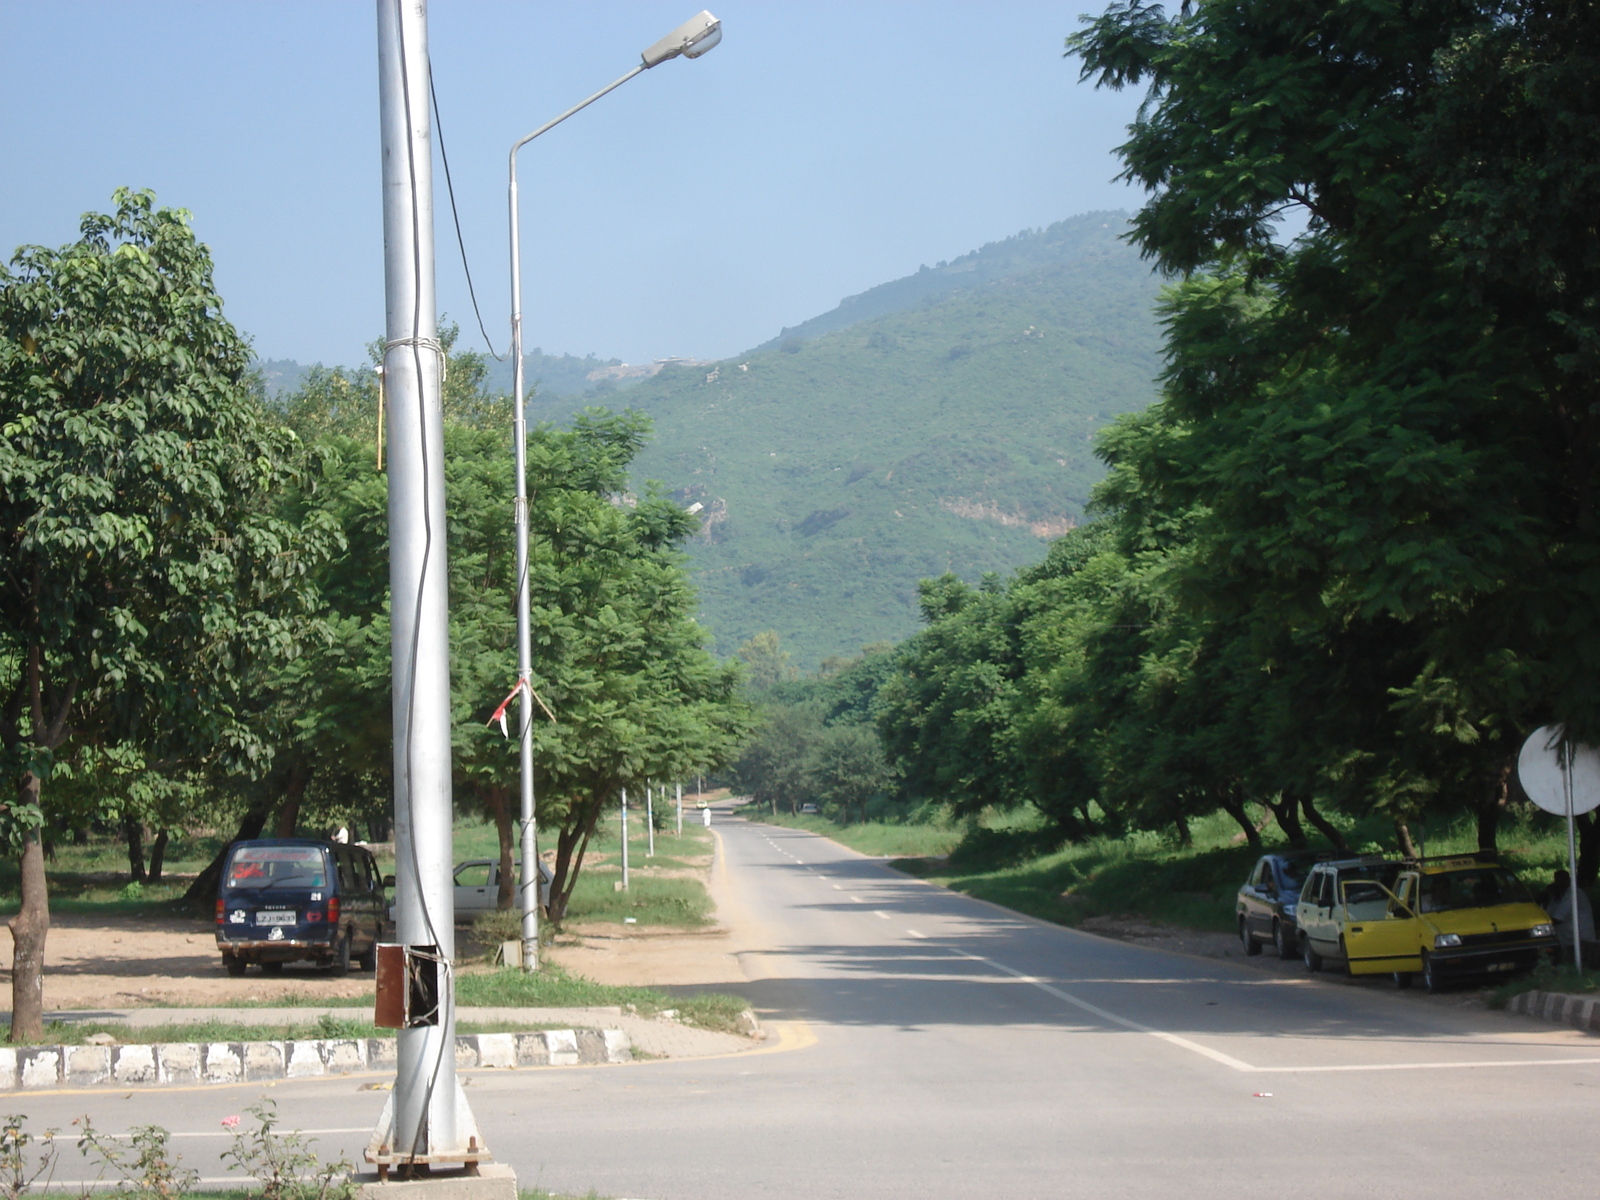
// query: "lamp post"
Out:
[690,40]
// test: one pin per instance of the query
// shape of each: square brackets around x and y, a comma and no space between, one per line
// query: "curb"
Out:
[1560,1008]
[27,1068]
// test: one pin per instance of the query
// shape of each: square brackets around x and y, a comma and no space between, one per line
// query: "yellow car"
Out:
[1445,919]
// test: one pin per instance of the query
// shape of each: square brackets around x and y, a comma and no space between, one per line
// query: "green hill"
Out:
[944,422]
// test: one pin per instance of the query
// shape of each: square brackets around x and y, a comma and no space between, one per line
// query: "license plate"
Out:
[275,918]
[1502,966]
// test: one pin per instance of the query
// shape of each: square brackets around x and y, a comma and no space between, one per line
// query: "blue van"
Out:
[299,900]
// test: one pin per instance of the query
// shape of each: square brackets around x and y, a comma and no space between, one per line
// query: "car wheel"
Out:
[1251,946]
[1430,977]
[272,968]
[233,965]
[340,966]
[1403,979]
[1281,941]
[369,956]
[1310,957]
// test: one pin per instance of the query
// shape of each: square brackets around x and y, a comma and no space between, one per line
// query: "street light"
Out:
[690,40]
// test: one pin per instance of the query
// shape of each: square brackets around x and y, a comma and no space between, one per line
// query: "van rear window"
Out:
[278,866]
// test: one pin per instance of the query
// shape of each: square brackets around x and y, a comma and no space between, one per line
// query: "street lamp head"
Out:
[691,39]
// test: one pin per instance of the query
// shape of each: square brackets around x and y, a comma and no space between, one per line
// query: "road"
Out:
[936,1046]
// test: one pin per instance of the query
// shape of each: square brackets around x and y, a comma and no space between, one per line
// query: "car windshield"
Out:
[1292,879]
[1480,887]
[278,866]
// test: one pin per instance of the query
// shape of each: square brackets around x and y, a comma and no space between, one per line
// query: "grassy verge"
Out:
[1022,866]
[549,987]
[1545,978]
[874,837]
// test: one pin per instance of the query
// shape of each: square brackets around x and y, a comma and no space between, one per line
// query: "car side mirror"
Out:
[388,881]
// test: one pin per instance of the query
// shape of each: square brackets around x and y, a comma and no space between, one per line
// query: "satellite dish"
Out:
[1539,767]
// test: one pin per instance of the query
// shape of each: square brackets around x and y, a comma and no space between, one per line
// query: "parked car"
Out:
[1267,900]
[1336,894]
[1450,918]
[809,810]
[477,886]
[298,900]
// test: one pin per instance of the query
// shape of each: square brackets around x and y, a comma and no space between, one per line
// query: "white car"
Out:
[478,886]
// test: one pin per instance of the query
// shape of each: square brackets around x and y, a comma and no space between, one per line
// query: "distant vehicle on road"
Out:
[477,886]
[1449,918]
[1267,900]
[299,900]
[809,810]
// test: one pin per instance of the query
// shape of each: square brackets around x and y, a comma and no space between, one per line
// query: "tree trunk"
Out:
[498,801]
[1234,807]
[133,832]
[294,790]
[1185,838]
[158,855]
[1287,813]
[204,888]
[28,930]
[80,836]
[1588,848]
[1493,806]
[1402,833]
[572,840]
[1325,827]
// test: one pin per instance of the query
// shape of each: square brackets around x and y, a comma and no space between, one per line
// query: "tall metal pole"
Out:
[650,820]
[426,1094]
[1567,754]
[624,839]
[680,809]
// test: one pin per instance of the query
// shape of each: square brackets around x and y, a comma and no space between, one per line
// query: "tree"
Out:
[766,661]
[146,566]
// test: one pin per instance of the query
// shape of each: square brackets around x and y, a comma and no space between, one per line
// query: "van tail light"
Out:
[219,910]
[333,910]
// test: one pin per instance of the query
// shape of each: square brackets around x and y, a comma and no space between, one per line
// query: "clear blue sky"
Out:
[823,148]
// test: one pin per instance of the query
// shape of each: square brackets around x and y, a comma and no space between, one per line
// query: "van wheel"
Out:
[369,957]
[272,968]
[1310,957]
[1281,942]
[233,965]
[1251,946]
[340,966]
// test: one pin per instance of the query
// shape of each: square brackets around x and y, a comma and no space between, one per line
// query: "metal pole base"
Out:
[383,1155]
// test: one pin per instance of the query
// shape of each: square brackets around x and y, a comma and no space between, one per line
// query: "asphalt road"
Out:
[935,1046]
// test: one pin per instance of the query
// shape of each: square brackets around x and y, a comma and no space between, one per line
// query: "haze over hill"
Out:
[940,422]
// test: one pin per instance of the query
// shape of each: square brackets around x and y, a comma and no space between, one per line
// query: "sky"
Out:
[821,149]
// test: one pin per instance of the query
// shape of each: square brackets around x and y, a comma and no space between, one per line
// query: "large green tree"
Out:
[146,565]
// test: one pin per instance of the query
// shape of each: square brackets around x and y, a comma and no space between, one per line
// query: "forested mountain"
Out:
[940,422]
[943,422]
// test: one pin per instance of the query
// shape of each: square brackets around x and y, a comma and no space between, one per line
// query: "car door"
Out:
[1376,943]
[1323,931]
[475,887]
[1253,897]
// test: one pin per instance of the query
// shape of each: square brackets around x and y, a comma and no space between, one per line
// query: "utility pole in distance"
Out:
[427,1120]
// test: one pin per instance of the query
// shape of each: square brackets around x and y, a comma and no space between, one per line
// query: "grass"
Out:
[549,987]
[1545,978]
[1020,864]
[880,838]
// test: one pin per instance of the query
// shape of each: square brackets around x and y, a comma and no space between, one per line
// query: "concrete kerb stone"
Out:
[1559,1008]
[30,1067]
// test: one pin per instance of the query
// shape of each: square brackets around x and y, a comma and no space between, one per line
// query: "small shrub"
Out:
[147,1169]
[132,891]
[17,1174]
[284,1165]
[498,925]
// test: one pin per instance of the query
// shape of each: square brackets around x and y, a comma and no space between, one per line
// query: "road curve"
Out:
[937,1046]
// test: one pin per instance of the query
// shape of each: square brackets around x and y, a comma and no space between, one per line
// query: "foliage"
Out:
[147,1169]
[20,1167]
[284,1165]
